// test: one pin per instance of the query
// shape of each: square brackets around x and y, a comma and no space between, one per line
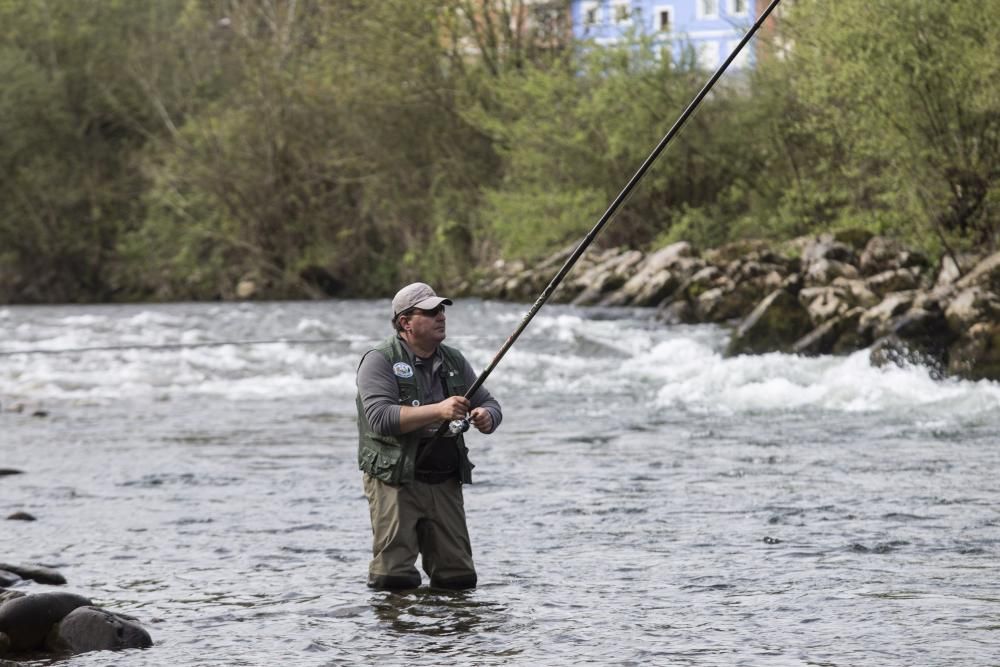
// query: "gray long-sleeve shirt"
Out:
[380,392]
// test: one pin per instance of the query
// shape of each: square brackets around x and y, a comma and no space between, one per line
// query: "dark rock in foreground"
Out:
[95,629]
[27,620]
[20,516]
[60,623]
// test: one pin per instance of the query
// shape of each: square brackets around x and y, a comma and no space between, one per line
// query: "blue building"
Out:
[712,28]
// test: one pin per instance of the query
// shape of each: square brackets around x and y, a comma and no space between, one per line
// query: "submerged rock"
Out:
[95,629]
[20,516]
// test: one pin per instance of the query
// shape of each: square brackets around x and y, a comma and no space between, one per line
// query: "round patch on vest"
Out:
[415,403]
[402,369]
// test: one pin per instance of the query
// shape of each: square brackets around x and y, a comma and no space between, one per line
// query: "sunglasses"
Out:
[426,313]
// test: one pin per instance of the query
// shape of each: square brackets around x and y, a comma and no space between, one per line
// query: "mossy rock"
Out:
[775,325]
[855,237]
[976,355]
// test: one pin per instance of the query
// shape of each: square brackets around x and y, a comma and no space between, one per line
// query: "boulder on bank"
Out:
[976,354]
[775,324]
[850,290]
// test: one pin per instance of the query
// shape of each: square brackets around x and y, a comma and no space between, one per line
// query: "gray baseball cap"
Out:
[416,295]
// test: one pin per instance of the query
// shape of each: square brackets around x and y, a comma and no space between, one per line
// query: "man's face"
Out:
[426,327]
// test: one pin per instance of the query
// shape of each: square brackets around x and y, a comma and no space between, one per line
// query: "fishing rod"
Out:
[463,425]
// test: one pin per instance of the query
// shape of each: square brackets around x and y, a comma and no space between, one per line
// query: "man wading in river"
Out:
[408,387]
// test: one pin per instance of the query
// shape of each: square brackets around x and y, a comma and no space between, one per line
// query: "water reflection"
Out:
[438,612]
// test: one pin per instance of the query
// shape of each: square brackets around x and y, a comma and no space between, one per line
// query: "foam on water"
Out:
[695,375]
[566,351]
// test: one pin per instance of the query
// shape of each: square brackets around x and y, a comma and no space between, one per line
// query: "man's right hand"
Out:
[453,407]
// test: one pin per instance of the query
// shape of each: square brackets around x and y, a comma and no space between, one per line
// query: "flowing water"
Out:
[646,501]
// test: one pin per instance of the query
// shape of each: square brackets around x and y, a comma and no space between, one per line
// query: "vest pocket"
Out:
[381,463]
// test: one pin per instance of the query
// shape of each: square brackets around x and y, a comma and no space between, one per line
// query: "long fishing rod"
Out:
[547,292]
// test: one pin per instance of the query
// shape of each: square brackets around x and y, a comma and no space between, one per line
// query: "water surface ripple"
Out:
[646,502]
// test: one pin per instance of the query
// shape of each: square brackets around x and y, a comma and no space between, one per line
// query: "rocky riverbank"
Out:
[830,294]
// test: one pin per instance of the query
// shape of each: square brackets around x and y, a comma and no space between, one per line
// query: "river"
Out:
[645,501]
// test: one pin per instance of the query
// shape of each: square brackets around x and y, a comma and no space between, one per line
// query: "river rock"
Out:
[976,354]
[876,322]
[27,620]
[20,516]
[824,338]
[94,629]
[857,292]
[4,645]
[43,575]
[986,274]
[825,247]
[925,332]
[893,280]
[655,279]
[775,324]
[824,303]
[677,312]
[6,594]
[10,471]
[611,272]
[825,271]
[954,266]
[8,578]
[891,350]
[971,305]
[884,254]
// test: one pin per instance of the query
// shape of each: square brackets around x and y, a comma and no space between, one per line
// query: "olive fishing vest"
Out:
[392,458]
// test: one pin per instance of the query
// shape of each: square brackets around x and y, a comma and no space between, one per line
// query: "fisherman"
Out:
[408,386]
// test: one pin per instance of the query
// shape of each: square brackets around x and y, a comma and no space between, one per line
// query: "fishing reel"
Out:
[457,426]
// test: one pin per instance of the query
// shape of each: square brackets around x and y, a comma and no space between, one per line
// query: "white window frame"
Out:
[614,12]
[732,11]
[585,9]
[704,51]
[657,11]
[700,13]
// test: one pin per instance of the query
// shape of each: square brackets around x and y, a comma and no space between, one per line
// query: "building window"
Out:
[708,54]
[707,9]
[664,19]
[588,12]
[739,7]
[622,12]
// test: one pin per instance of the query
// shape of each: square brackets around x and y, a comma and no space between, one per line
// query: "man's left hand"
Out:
[482,420]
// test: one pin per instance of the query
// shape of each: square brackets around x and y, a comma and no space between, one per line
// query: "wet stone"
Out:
[28,619]
[21,516]
[8,578]
[95,629]
[38,573]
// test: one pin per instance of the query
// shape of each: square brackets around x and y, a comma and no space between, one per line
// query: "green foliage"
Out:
[170,148]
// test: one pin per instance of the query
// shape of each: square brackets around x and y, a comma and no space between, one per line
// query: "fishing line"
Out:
[181,346]
[547,292]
